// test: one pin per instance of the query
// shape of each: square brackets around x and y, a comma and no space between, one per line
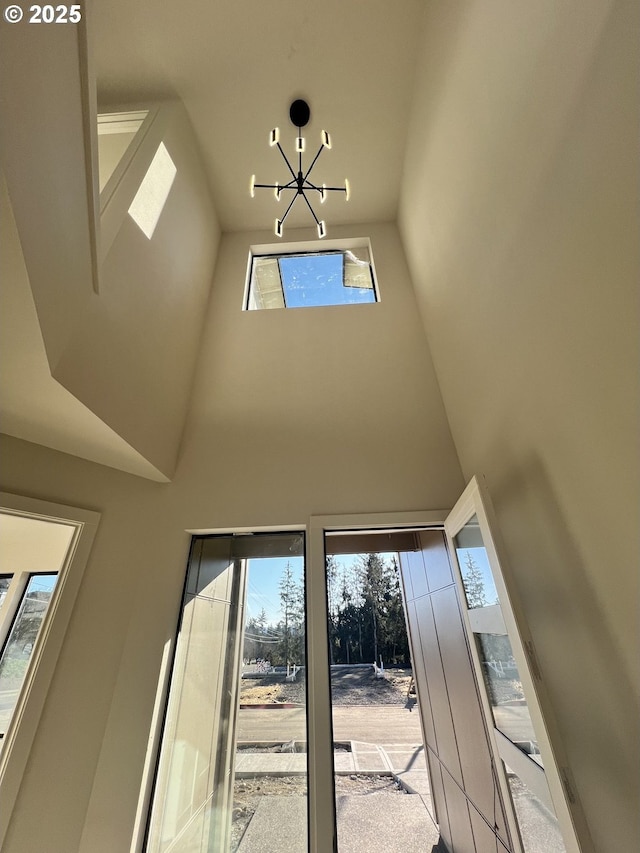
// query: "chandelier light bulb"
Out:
[299,182]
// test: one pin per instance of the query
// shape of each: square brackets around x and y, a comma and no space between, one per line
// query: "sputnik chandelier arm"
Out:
[300,183]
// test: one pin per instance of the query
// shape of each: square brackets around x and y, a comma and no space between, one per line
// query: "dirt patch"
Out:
[356,686]
[272,688]
[349,686]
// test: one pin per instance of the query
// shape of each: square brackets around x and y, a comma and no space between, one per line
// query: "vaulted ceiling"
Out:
[238,65]
[451,118]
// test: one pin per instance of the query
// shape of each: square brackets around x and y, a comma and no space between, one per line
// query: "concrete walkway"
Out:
[374,823]
[367,823]
[363,758]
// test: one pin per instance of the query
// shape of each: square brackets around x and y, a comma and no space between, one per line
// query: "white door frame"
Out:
[321,771]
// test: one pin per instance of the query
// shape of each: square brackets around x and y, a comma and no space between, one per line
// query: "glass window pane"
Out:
[357,269]
[233,762]
[21,640]
[506,696]
[266,286]
[5,581]
[270,791]
[539,828]
[311,279]
[477,578]
[376,727]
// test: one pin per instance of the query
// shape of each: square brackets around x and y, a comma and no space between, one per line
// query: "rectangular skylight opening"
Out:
[309,279]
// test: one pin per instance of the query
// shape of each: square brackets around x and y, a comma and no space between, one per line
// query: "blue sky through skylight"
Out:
[312,280]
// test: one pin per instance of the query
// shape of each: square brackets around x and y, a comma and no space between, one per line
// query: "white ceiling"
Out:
[238,64]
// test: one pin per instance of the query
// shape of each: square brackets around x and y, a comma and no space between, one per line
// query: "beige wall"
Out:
[520,223]
[136,345]
[123,352]
[294,412]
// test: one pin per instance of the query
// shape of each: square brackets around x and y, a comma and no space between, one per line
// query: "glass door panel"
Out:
[382,794]
[233,753]
[499,669]
[542,811]
[504,690]
[542,828]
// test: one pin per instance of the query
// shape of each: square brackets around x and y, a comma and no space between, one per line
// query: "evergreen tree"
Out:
[261,621]
[332,605]
[292,606]
[473,583]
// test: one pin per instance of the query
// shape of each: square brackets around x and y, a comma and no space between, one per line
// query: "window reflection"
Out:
[233,755]
[21,640]
[538,826]
[477,578]
[311,279]
[506,696]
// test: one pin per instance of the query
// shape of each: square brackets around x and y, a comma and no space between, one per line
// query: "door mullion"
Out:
[322,818]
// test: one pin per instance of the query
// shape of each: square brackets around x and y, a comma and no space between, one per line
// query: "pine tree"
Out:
[292,606]
[261,621]
[473,583]
[332,605]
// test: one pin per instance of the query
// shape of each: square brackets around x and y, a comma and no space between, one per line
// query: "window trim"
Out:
[314,247]
[20,734]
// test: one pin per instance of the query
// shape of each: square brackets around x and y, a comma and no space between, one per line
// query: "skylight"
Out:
[311,279]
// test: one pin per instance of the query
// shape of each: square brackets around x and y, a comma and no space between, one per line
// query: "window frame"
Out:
[18,740]
[316,247]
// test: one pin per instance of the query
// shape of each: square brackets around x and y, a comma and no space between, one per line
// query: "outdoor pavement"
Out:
[373,723]
[366,824]
[369,823]
[383,739]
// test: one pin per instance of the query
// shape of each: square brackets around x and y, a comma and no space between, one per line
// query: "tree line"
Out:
[366,616]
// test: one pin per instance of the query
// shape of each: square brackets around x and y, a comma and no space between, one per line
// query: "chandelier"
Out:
[300,183]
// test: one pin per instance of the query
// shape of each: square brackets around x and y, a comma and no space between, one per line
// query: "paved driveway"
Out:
[383,724]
